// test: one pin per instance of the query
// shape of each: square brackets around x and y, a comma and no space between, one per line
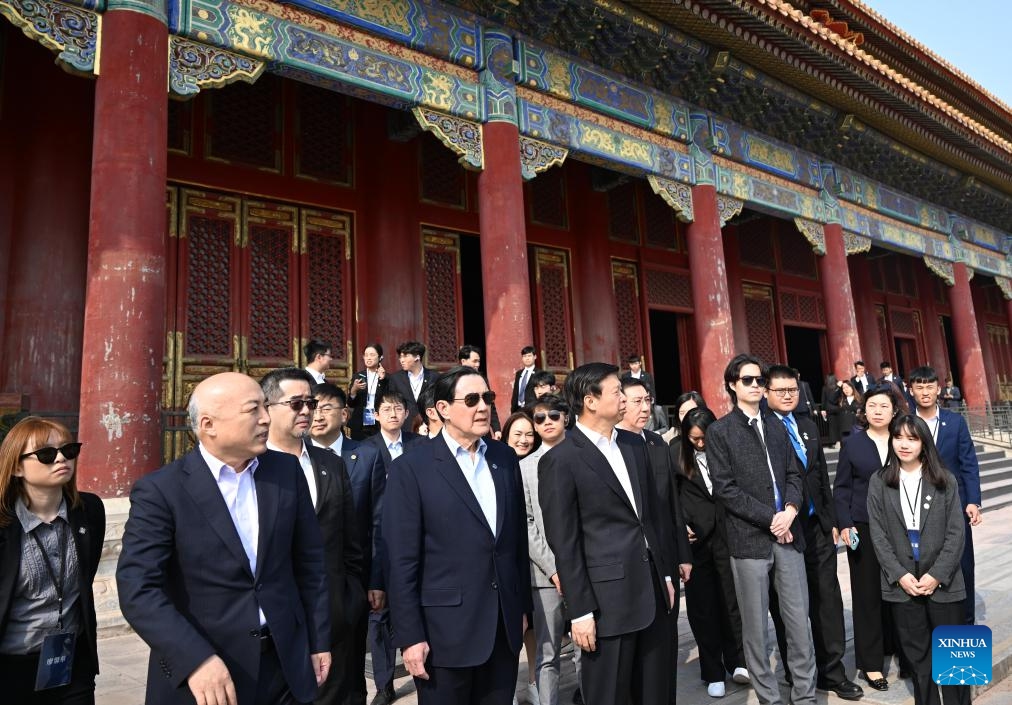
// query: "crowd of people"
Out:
[311,524]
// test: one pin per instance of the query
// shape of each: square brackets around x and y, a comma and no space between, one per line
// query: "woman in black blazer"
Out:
[843,413]
[862,455]
[710,600]
[917,530]
[42,515]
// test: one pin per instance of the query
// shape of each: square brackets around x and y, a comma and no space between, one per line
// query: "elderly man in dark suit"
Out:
[955,448]
[455,531]
[756,477]
[612,545]
[818,523]
[222,570]
[288,392]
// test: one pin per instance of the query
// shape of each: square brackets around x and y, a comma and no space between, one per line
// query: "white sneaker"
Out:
[532,694]
[515,700]
[741,676]
[716,690]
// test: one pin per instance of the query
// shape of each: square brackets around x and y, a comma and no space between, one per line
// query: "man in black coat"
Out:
[818,523]
[411,379]
[612,545]
[519,398]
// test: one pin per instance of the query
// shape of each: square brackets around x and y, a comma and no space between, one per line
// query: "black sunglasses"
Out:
[298,404]
[749,380]
[539,417]
[47,455]
[473,398]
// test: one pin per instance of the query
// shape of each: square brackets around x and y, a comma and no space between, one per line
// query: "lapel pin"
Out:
[804,435]
[494,466]
[354,457]
[927,506]
[927,497]
[82,530]
[323,472]
[943,423]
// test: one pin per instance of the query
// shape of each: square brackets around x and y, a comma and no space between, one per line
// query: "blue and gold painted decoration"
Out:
[728,139]
[290,39]
[96,5]
[194,66]
[752,185]
[497,77]
[72,32]
[546,69]
[862,191]
[425,25]
[624,147]
[151,8]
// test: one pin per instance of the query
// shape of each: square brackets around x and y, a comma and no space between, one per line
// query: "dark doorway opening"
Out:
[471,288]
[804,353]
[950,345]
[664,351]
[906,357]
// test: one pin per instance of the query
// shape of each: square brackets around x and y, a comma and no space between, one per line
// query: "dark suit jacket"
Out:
[859,386]
[815,477]
[941,521]
[87,524]
[646,379]
[515,399]
[742,483]
[342,548]
[399,382]
[357,403]
[859,460]
[185,584]
[378,442]
[451,578]
[658,454]
[599,541]
[368,476]
[955,448]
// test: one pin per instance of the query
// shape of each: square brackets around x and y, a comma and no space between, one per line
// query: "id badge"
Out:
[915,543]
[56,661]
[369,417]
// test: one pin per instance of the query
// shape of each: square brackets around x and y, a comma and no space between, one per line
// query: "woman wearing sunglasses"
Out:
[50,543]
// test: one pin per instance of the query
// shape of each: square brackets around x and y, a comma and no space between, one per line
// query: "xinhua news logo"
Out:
[961,655]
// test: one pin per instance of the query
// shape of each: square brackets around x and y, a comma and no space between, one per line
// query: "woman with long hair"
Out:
[710,600]
[50,543]
[862,455]
[917,531]
[843,414]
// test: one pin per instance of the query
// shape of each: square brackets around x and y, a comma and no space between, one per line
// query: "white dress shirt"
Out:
[612,453]
[238,489]
[477,474]
[336,447]
[307,468]
[318,376]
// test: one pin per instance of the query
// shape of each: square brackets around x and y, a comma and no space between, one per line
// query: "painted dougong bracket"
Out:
[814,233]
[675,194]
[72,32]
[855,244]
[728,208]
[462,136]
[537,156]
[1006,287]
[194,66]
[942,269]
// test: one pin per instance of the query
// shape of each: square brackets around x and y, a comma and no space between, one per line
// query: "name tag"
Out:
[56,661]
[369,417]
[915,542]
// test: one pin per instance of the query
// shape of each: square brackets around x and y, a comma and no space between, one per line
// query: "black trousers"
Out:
[17,681]
[825,605]
[345,685]
[915,620]
[866,601]
[720,649]
[272,688]
[967,565]
[491,683]
[631,668]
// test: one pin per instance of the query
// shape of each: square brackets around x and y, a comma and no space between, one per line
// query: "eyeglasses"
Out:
[298,405]
[749,380]
[327,408]
[785,392]
[472,399]
[541,416]
[47,455]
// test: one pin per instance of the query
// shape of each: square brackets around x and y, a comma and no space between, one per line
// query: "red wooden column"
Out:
[124,312]
[932,324]
[871,342]
[712,306]
[504,272]
[841,321]
[970,359]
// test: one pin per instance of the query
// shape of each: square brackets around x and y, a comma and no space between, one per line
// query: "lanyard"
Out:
[912,504]
[57,585]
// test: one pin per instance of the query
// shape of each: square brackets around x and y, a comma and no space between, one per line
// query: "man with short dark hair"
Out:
[612,545]
[541,383]
[318,356]
[411,379]
[427,407]
[818,523]
[861,382]
[956,449]
[519,399]
[756,478]
[291,405]
[470,356]
[456,533]
[636,371]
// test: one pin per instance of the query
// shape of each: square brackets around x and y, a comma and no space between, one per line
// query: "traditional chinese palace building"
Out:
[203,185]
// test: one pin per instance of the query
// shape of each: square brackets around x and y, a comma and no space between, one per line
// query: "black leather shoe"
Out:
[385,696]
[848,690]
[876,683]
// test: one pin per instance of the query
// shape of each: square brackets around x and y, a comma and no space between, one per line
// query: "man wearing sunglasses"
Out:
[455,532]
[291,406]
[757,478]
[222,568]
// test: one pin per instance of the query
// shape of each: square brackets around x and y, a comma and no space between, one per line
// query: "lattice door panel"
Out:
[326,291]
[270,336]
[625,282]
[761,322]
[553,308]
[443,314]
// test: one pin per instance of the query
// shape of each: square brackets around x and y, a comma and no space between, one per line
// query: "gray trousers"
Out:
[549,629]
[786,567]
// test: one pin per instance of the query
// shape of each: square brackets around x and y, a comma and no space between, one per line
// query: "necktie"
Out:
[777,498]
[523,386]
[799,449]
